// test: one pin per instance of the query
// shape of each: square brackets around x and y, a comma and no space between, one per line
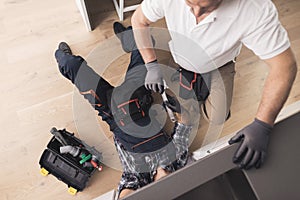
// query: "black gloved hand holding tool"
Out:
[173,104]
[254,140]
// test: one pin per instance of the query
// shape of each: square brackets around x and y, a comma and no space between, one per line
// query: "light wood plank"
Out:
[35,97]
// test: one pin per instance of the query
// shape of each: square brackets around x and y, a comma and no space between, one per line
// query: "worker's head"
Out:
[198,6]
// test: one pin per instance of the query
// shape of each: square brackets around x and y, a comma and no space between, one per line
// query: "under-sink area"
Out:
[232,185]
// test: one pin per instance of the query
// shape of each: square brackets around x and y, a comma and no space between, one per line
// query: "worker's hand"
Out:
[254,140]
[154,77]
[173,104]
[182,115]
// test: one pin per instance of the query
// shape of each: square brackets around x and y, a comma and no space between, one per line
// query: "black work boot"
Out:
[118,28]
[65,48]
[126,37]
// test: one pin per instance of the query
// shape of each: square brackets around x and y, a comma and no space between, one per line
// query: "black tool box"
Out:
[75,167]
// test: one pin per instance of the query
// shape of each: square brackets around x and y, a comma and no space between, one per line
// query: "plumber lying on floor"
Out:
[146,151]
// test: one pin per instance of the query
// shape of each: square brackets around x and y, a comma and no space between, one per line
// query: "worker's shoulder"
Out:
[253,5]
[254,10]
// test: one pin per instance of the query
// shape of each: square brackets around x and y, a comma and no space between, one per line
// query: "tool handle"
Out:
[58,136]
[169,111]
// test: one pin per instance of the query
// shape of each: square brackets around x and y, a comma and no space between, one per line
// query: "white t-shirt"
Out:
[218,38]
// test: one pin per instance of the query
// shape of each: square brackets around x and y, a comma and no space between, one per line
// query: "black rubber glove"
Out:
[254,140]
[173,104]
[154,77]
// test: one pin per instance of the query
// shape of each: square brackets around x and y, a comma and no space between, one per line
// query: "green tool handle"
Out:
[86,158]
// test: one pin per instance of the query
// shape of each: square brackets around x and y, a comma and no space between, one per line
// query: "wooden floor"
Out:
[35,97]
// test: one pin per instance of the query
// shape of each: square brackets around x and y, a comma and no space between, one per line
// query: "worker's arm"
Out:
[283,70]
[183,117]
[254,138]
[154,77]
[140,25]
